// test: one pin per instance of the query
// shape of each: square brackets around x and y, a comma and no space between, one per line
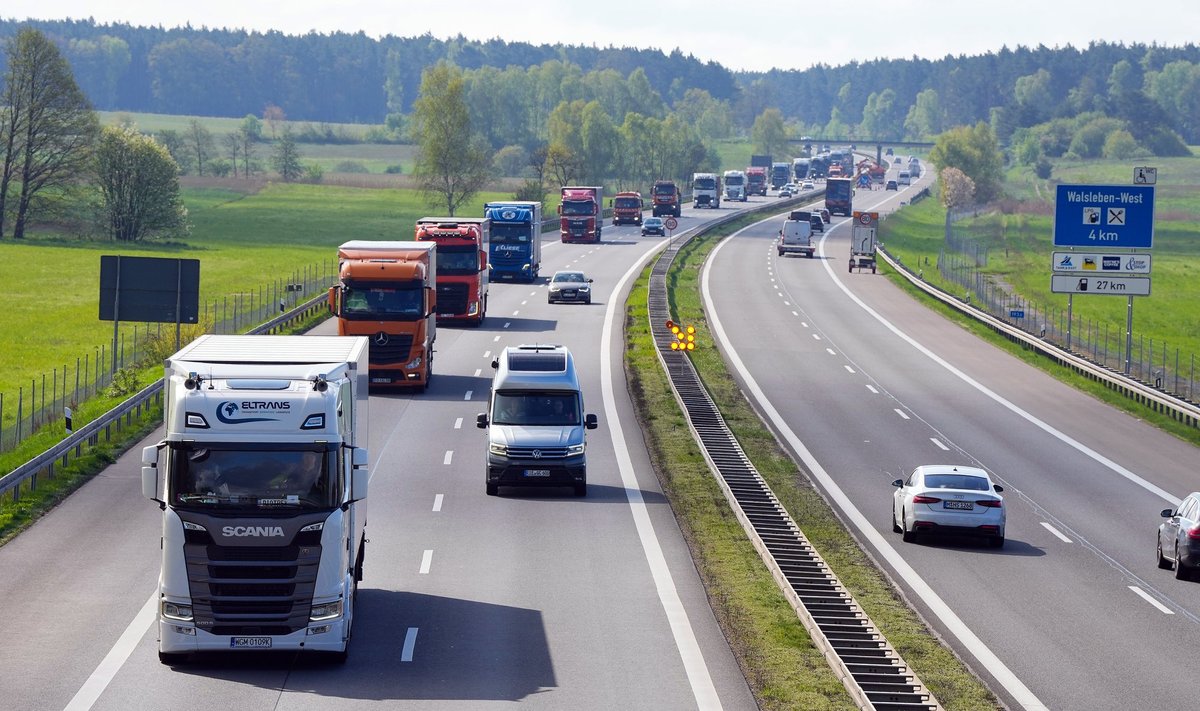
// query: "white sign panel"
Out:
[1143,175]
[1101,263]
[1101,284]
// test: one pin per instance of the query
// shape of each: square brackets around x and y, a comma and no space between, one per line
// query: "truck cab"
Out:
[536,423]
[706,190]
[666,198]
[627,208]
[516,245]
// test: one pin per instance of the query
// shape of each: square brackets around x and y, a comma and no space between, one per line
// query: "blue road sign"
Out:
[1016,313]
[1118,216]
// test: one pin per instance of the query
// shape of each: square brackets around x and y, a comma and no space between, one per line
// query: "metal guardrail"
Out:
[88,435]
[1157,400]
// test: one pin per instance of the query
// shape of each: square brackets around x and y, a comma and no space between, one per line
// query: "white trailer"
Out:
[862,241]
[262,481]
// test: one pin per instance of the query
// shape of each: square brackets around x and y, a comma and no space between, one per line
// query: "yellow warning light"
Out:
[691,346]
[691,330]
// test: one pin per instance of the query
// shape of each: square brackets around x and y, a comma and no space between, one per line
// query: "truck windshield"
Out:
[733,181]
[241,477]
[457,260]
[534,408]
[508,234]
[578,208]
[628,203]
[664,190]
[375,303]
[705,184]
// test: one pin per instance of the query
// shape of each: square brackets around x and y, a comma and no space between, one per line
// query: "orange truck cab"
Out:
[462,265]
[387,291]
[627,208]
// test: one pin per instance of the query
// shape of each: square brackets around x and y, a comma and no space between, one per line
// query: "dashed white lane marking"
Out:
[518,311]
[816,336]
[1056,532]
[468,395]
[830,351]
[506,325]
[848,369]
[426,561]
[437,502]
[901,413]
[1146,596]
[488,354]
[458,424]
[410,641]
[478,371]
[449,457]
[939,444]
[497,338]
[872,389]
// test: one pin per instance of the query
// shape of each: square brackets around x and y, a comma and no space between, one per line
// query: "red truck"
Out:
[627,208]
[756,180]
[462,268]
[666,198]
[579,212]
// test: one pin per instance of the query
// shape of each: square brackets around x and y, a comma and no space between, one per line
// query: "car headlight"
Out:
[177,611]
[414,363]
[573,449]
[325,611]
[585,287]
[498,448]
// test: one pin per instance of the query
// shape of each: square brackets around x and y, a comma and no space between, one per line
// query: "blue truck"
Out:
[516,246]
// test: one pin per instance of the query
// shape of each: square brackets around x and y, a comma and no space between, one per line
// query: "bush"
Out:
[1042,168]
[350,166]
[395,169]
[313,173]
[219,167]
[531,190]
[511,161]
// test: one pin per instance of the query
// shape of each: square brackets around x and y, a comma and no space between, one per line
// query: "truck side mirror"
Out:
[560,209]
[431,300]
[333,300]
[483,260]
[481,420]
[360,475]
[590,422]
[150,476]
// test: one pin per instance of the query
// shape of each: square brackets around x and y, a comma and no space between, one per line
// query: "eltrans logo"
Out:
[228,412]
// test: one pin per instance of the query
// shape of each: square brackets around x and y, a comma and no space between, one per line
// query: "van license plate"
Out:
[537,472]
[249,642]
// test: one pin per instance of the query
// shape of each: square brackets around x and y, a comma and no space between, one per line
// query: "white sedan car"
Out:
[949,499]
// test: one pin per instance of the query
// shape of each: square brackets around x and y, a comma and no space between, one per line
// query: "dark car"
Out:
[818,225]
[569,286]
[1179,537]
[654,226]
[891,185]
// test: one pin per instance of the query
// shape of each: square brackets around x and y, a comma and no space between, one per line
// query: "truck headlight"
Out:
[177,611]
[414,363]
[325,611]
[474,308]
[498,449]
[573,449]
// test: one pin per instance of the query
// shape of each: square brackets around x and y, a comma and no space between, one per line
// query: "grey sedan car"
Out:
[949,499]
[1179,537]
[569,286]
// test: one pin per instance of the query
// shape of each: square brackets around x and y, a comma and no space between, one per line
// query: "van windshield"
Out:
[550,408]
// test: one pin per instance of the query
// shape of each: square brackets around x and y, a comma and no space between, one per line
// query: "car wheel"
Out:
[588,300]
[997,542]
[171,658]
[905,534]
[895,526]
[493,489]
[581,489]
[1162,561]
[1181,571]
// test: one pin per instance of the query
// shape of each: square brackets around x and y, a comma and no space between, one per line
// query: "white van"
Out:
[905,178]
[535,422]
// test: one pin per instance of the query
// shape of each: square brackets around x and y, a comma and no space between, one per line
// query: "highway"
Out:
[863,385]
[469,601]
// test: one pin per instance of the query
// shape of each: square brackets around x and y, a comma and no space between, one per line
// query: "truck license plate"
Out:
[249,642]
[537,472]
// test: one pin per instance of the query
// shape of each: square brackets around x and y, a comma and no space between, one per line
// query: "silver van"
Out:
[536,426]
[905,178]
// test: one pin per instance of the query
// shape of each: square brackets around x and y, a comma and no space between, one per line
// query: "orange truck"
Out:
[387,291]
[627,208]
[462,267]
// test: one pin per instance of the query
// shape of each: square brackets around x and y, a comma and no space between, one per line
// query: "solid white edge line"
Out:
[1146,596]
[938,607]
[410,642]
[426,561]
[1056,532]
[112,662]
[698,675]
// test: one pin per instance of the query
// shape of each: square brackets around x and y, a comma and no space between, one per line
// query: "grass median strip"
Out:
[783,668]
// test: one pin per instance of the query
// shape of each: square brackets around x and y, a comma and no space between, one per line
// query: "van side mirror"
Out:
[590,422]
[481,420]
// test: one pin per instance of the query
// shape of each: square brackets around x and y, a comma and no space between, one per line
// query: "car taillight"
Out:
[922,499]
[1194,533]
[990,503]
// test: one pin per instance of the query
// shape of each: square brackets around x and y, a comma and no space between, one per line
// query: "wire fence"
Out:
[52,395]
[1152,362]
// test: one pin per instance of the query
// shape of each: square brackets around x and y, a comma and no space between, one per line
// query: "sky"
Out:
[792,34]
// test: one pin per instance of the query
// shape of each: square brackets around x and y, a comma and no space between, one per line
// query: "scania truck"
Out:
[735,185]
[387,292]
[462,273]
[261,477]
[516,247]
[706,190]
[579,211]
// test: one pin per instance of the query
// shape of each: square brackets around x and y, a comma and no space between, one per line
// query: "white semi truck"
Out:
[262,481]
[735,185]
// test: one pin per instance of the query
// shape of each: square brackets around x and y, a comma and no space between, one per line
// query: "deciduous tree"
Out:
[975,152]
[139,186]
[452,163]
[286,158]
